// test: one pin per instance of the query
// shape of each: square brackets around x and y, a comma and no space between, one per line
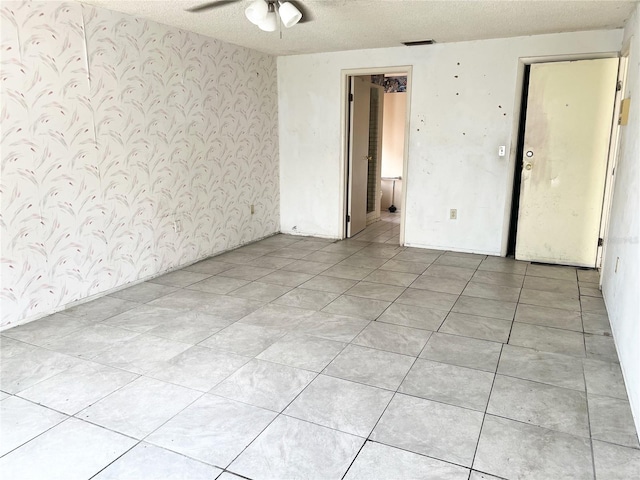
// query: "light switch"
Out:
[502,151]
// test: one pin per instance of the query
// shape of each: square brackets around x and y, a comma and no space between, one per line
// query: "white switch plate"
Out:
[502,151]
[453,214]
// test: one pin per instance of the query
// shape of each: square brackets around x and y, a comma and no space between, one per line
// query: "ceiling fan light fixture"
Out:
[257,12]
[270,21]
[289,14]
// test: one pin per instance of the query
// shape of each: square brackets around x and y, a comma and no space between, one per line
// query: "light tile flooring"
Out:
[302,358]
[386,230]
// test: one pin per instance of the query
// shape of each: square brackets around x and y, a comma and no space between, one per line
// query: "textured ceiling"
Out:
[359,24]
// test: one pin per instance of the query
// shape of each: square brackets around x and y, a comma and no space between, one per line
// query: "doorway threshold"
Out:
[386,230]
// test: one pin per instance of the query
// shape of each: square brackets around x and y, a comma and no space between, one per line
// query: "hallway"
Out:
[386,230]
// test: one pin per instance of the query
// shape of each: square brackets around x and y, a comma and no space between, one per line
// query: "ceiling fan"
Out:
[264,13]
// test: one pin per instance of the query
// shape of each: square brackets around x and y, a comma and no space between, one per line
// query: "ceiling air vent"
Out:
[419,42]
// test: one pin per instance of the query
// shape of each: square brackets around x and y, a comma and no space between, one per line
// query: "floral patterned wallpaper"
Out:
[114,130]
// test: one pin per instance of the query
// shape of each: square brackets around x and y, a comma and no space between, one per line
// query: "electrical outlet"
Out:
[453,214]
[253,210]
[177,226]
[502,150]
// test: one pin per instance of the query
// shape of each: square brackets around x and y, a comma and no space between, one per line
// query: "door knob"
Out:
[528,166]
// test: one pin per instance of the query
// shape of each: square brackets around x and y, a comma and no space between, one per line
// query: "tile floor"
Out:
[387,230]
[304,358]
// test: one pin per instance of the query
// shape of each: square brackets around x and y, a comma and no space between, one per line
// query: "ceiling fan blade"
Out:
[209,5]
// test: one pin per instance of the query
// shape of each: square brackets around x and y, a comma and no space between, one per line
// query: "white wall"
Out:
[462,109]
[113,128]
[620,288]
[393,123]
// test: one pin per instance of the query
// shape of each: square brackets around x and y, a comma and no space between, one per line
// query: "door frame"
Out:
[612,160]
[511,216]
[345,75]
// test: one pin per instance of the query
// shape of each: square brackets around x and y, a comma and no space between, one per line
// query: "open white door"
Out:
[567,132]
[358,156]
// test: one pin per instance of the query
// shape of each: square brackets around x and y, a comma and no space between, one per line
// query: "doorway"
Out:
[375,137]
[385,230]
[561,166]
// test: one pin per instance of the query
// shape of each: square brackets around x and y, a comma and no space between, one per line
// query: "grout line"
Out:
[115,460]
[515,311]
[277,415]
[484,416]
[373,244]
[586,399]
[41,433]
[355,457]
[280,413]
[538,382]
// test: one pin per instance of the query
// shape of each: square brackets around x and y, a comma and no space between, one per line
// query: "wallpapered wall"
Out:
[113,128]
